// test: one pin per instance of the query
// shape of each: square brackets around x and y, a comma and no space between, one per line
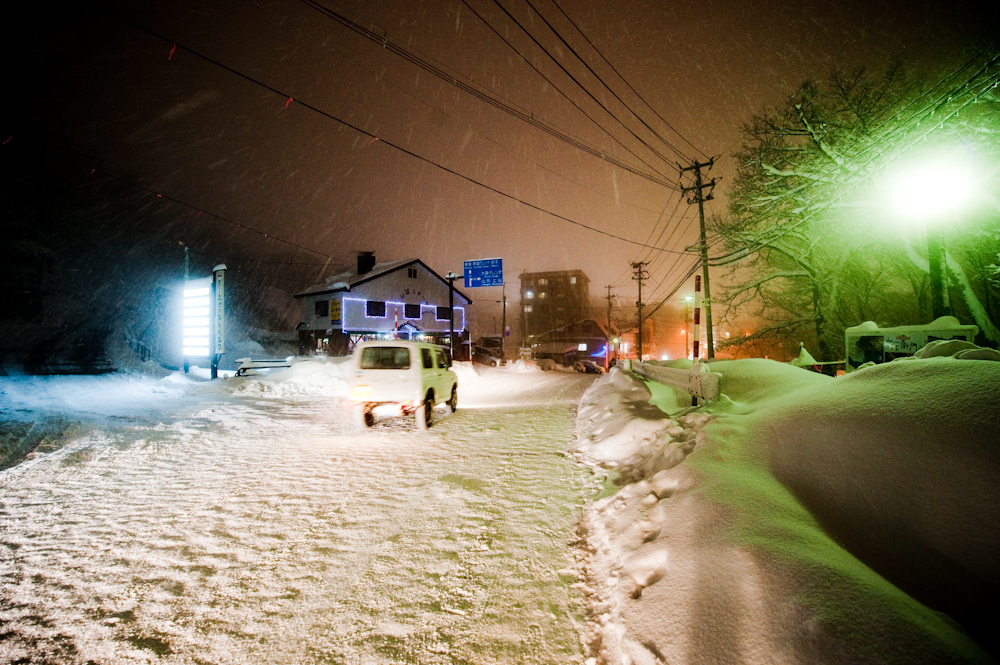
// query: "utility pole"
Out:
[699,196]
[607,354]
[451,277]
[639,273]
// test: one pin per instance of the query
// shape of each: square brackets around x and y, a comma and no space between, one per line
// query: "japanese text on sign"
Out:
[484,272]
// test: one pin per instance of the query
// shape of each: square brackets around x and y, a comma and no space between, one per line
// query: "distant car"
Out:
[588,367]
[412,375]
[484,357]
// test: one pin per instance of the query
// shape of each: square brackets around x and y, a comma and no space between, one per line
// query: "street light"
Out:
[925,193]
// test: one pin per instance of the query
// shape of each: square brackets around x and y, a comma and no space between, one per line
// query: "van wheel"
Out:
[425,412]
[363,418]
[452,402]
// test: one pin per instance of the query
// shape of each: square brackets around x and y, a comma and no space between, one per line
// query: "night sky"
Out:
[269,136]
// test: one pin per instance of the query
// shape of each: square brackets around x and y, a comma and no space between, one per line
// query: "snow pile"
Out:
[956,348]
[801,518]
[618,428]
[319,375]
[523,366]
[465,371]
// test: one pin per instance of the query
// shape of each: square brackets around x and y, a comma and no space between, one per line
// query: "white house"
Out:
[395,300]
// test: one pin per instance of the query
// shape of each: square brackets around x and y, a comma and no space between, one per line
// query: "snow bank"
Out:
[319,375]
[522,366]
[800,519]
[48,411]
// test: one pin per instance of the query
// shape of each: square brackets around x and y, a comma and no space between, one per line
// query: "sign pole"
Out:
[218,316]
[503,333]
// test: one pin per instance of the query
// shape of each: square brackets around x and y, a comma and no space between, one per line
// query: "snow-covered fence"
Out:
[246,366]
[697,381]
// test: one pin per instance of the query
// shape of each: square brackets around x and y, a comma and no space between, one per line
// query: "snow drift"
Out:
[800,519]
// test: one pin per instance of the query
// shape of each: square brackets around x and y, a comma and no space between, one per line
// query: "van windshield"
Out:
[385,357]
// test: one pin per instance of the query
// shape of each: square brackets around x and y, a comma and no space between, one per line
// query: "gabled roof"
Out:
[583,328]
[345,281]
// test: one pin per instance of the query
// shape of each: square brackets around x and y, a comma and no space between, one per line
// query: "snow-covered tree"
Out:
[808,235]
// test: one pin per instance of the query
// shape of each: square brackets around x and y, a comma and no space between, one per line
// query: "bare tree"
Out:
[804,235]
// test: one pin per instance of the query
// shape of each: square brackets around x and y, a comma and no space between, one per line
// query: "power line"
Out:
[283,20]
[384,41]
[623,80]
[575,80]
[874,150]
[289,99]
[606,86]
[200,210]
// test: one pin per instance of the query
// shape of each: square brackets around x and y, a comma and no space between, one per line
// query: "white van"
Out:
[411,375]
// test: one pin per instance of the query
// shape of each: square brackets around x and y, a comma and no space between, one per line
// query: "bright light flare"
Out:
[926,192]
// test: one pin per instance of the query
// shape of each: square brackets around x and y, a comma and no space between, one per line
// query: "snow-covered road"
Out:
[254,530]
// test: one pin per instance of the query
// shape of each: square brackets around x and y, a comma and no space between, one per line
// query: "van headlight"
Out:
[361,392]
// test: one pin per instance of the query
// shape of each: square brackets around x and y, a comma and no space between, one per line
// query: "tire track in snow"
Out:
[269,532]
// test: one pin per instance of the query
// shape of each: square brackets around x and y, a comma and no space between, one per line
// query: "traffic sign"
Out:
[484,272]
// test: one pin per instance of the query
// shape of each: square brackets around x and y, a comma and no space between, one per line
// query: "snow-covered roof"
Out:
[345,281]
[940,323]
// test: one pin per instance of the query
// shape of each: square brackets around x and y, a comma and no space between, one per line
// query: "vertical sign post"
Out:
[218,317]
[487,272]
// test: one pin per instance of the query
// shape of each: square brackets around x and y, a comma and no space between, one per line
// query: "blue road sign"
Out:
[484,272]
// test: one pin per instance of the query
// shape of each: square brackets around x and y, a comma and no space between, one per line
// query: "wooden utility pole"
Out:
[639,273]
[699,196]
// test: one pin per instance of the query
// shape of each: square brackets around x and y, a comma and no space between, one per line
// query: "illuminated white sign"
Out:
[197,326]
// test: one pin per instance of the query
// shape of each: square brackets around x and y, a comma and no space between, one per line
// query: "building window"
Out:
[572,280]
[411,273]
[375,308]
[443,314]
[529,295]
[411,311]
[527,308]
[542,281]
[541,296]
[322,307]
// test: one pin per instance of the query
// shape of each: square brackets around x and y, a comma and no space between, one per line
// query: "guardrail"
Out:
[697,381]
[245,366]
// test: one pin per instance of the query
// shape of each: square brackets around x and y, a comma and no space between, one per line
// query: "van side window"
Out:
[385,357]
[428,362]
[440,358]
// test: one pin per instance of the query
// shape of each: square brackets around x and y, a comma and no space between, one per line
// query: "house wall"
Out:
[395,289]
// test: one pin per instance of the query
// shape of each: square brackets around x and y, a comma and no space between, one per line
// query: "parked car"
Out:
[588,367]
[411,375]
[484,357]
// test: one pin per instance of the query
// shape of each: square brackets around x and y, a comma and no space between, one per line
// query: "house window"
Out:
[443,314]
[322,307]
[411,311]
[375,308]
[411,273]
[572,280]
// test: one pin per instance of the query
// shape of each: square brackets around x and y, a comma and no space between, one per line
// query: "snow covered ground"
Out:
[176,520]
[800,519]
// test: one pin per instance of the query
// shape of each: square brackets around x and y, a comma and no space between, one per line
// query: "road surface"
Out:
[252,530]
